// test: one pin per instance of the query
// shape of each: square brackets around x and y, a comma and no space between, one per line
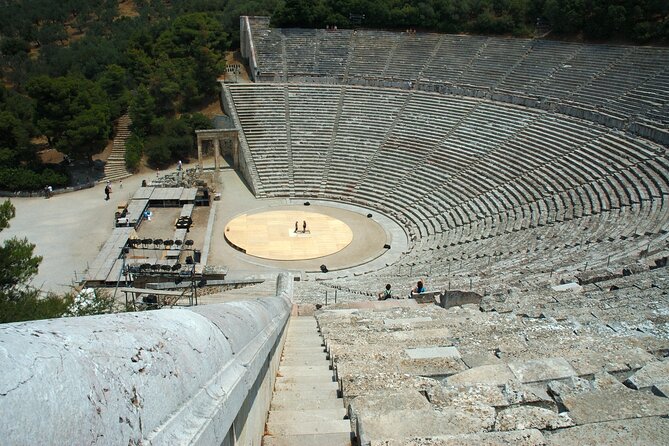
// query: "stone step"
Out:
[305,349]
[306,416]
[335,439]
[305,362]
[313,356]
[305,370]
[288,393]
[299,330]
[308,341]
[307,387]
[320,427]
[305,379]
[299,401]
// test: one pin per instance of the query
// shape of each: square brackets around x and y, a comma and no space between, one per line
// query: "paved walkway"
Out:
[69,229]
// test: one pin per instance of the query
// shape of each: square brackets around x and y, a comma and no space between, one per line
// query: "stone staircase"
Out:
[115,167]
[305,408]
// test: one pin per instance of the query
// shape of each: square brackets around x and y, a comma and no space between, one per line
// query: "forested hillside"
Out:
[70,68]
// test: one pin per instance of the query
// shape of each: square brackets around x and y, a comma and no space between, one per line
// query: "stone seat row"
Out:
[634,169]
[593,75]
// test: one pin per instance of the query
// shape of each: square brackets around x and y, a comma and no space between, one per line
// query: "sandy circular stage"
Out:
[271,235]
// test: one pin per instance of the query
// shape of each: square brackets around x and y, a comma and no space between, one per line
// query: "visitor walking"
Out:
[304,226]
[296,227]
[107,190]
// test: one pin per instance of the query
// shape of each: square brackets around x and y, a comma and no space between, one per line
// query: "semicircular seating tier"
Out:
[470,179]
[621,83]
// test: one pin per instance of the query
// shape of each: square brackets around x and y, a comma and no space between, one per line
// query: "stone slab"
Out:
[342,311]
[424,423]
[305,379]
[529,437]
[384,400]
[300,386]
[290,394]
[309,427]
[472,360]
[433,352]
[572,286]
[305,370]
[661,390]
[406,321]
[541,369]
[296,403]
[651,374]
[600,406]
[335,439]
[639,431]
[529,417]
[496,374]
[310,415]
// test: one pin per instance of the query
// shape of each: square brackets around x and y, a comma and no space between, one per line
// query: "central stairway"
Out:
[115,167]
[305,408]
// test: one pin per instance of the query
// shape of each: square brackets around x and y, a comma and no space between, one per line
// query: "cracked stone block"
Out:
[478,359]
[412,423]
[639,431]
[386,400]
[462,396]
[661,390]
[433,352]
[651,374]
[541,369]
[599,406]
[497,374]
[530,417]
[529,437]
[406,321]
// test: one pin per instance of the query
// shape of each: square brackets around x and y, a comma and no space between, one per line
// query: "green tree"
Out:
[73,113]
[18,300]
[142,111]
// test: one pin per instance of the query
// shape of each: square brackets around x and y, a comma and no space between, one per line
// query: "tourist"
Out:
[107,190]
[179,166]
[386,294]
[304,226]
[419,288]
[296,227]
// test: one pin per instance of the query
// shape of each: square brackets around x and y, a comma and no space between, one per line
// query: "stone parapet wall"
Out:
[246,45]
[201,376]
[246,166]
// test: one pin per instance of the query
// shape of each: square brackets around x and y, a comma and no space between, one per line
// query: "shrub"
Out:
[157,152]
[134,149]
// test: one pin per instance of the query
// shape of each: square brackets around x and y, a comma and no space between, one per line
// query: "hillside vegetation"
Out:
[71,68]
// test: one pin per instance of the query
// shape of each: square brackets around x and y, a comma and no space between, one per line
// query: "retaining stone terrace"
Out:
[519,368]
[626,82]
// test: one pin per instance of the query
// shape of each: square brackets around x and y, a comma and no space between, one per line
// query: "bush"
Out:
[134,149]
[49,177]
[22,179]
[157,152]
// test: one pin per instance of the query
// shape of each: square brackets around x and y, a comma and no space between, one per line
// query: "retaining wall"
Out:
[200,376]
